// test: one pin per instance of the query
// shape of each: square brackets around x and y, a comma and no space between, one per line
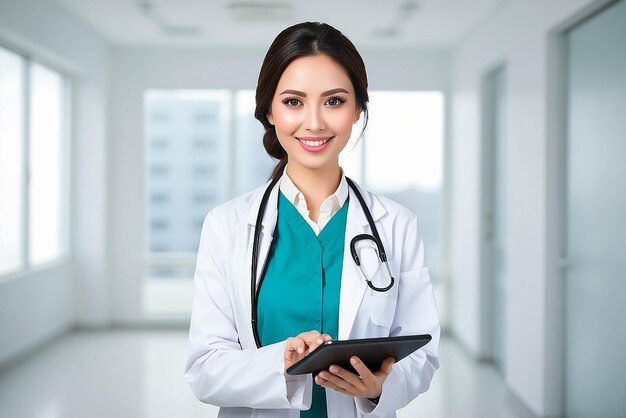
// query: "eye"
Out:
[291,101]
[335,101]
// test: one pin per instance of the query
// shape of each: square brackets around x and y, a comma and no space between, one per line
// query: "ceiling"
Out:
[430,24]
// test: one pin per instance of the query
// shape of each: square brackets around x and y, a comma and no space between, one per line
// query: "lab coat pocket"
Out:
[382,309]
[383,304]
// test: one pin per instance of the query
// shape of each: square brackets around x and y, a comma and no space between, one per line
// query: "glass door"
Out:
[595,280]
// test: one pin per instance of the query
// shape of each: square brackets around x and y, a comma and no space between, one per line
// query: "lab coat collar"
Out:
[271,210]
[269,219]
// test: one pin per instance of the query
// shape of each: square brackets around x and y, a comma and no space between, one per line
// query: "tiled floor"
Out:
[130,373]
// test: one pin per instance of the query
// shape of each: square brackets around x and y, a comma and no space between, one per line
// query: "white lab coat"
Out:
[225,368]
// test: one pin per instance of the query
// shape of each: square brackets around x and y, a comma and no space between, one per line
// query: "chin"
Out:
[313,163]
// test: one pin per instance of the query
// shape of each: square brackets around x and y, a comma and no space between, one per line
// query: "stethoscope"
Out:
[255,252]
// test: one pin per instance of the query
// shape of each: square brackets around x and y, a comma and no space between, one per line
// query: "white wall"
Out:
[38,305]
[519,34]
[134,70]
[34,308]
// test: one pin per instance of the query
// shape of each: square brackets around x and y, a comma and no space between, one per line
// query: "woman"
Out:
[312,88]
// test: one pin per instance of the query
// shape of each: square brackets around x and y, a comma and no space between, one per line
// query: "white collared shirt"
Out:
[329,207]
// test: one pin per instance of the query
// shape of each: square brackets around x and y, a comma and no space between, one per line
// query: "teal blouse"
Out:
[301,286]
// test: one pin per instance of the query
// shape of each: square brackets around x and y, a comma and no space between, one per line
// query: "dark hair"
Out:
[304,39]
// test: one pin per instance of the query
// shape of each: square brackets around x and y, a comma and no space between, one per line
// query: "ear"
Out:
[270,118]
[357,114]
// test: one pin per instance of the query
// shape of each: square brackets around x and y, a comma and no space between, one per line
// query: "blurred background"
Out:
[501,123]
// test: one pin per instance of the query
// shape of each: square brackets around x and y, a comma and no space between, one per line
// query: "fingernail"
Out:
[319,341]
[353,361]
[300,350]
[334,369]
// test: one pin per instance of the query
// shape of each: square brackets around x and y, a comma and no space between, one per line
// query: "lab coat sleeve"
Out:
[218,370]
[416,313]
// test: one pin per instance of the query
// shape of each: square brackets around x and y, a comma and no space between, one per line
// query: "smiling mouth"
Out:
[314,142]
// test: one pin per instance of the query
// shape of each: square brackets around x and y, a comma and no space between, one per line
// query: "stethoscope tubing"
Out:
[255,259]
[256,289]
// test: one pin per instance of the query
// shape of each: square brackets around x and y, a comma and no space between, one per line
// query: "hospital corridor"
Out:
[135,246]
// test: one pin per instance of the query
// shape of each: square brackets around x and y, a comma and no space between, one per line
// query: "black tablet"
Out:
[372,351]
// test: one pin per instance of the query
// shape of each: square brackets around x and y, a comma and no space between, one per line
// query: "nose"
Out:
[315,119]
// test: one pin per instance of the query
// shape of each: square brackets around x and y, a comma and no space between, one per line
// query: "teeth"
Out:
[314,143]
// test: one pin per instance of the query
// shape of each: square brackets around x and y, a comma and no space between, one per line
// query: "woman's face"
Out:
[313,110]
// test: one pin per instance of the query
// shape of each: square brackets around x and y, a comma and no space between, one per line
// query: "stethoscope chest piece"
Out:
[380,251]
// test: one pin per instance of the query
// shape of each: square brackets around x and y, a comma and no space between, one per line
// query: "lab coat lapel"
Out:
[268,224]
[353,285]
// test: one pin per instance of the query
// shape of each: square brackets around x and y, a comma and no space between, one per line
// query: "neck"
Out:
[315,184]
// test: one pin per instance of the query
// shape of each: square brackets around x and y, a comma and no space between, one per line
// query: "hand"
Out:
[364,385]
[299,347]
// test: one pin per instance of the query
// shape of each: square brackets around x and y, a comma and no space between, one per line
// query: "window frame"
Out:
[25,267]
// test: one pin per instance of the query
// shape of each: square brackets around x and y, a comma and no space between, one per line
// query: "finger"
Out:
[309,334]
[311,337]
[339,381]
[327,384]
[361,368]
[314,339]
[300,345]
[385,367]
[289,350]
[294,345]
[387,364]
[346,375]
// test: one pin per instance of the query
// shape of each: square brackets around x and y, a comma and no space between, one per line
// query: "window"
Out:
[404,157]
[11,161]
[46,152]
[33,163]
[253,165]
[190,175]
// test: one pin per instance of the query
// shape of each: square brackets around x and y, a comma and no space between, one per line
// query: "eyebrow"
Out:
[326,93]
